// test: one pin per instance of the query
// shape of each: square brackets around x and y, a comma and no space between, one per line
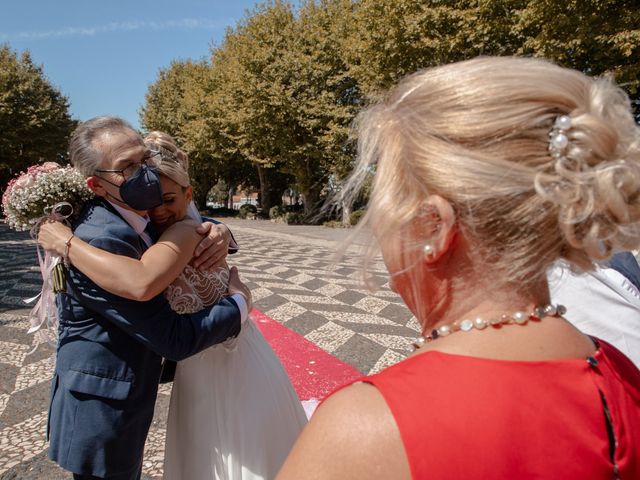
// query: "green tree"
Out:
[176,104]
[220,193]
[593,36]
[203,135]
[284,98]
[274,105]
[323,98]
[34,115]
[247,105]
[163,109]
[391,39]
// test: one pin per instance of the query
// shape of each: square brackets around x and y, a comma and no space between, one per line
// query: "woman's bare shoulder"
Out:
[360,404]
[186,223]
[181,228]
[179,237]
[352,435]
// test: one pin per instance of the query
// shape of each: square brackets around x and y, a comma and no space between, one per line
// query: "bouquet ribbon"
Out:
[43,317]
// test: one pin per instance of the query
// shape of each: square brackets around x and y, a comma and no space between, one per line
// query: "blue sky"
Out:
[103,55]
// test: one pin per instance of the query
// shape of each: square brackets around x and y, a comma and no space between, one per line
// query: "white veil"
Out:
[192,212]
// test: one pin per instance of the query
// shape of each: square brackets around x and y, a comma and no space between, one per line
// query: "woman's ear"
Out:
[189,194]
[440,220]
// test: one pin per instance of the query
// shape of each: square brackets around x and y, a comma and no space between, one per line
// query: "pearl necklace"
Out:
[519,318]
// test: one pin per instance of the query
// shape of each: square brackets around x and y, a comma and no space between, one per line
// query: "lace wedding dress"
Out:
[233,413]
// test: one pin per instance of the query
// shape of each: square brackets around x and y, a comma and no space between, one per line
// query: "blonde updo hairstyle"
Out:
[173,162]
[477,134]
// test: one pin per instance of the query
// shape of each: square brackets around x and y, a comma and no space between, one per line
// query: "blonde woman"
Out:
[503,166]
[234,414]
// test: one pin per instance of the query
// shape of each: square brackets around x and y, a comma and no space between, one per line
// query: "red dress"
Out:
[471,418]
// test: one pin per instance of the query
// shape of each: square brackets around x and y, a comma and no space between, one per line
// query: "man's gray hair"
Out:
[82,152]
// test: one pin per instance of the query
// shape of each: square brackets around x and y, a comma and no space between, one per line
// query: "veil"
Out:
[192,212]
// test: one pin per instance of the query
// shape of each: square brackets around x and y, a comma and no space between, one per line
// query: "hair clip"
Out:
[157,149]
[558,139]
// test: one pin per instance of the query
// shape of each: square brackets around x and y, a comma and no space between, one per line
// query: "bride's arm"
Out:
[123,276]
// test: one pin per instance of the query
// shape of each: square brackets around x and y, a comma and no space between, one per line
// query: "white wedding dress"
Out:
[233,413]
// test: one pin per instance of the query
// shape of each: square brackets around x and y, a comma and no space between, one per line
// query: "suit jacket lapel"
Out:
[106,204]
[152,232]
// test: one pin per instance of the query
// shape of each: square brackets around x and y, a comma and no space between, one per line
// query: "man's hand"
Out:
[236,286]
[213,248]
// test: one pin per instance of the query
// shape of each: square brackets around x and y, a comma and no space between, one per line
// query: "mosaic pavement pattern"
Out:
[293,280]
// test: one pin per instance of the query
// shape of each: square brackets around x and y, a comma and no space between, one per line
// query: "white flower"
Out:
[41,187]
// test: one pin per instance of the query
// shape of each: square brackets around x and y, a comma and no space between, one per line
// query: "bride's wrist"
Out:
[66,246]
[58,246]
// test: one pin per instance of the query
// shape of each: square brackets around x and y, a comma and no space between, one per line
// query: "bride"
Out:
[233,412]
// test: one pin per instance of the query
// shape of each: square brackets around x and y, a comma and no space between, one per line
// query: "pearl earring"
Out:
[428,250]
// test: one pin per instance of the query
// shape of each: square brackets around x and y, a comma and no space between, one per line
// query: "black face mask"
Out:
[141,191]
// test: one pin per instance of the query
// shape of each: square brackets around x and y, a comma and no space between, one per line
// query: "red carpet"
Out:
[313,372]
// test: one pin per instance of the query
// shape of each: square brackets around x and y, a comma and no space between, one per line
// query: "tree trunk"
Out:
[346,213]
[200,196]
[311,202]
[230,199]
[265,188]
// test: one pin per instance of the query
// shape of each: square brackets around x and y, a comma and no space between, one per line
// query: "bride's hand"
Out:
[53,235]
[236,286]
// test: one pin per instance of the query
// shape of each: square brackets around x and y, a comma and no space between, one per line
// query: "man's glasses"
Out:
[131,169]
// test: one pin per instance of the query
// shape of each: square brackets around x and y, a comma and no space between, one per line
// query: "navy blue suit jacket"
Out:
[109,355]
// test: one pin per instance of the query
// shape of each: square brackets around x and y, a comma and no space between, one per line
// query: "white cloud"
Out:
[128,26]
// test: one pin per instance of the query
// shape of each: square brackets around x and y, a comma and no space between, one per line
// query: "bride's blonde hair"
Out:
[173,162]
[477,134]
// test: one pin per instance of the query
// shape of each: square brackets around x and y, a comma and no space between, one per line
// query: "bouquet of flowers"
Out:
[42,192]
[34,193]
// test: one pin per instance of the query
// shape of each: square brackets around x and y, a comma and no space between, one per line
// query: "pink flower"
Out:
[49,166]
[35,170]
[27,197]
[7,191]
[25,181]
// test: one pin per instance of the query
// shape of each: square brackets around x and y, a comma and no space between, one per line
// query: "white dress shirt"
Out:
[136,222]
[602,303]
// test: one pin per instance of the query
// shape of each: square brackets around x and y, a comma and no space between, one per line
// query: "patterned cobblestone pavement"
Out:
[293,279]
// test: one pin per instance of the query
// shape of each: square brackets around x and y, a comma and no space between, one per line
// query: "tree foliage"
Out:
[391,39]
[35,123]
[594,36]
[324,98]
[284,99]
[251,112]
[178,104]
[275,102]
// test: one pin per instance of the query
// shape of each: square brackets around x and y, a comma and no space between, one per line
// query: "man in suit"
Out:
[110,348]
[604,302]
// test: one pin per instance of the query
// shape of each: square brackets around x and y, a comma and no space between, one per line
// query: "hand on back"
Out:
[213,248]
[236,286]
